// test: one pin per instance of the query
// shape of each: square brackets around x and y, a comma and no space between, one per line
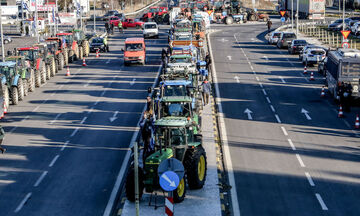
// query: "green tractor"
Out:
[48,57]
[14,83]
[82,41]
[173,137]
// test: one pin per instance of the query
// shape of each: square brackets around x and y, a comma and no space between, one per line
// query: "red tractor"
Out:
[153,12]
[59,50]
[71,44]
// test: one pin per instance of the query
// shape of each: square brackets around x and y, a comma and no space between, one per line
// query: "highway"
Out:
[290,153]
[66,142]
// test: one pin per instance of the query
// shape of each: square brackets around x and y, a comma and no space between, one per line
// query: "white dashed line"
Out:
[272,108]
[263,90]
[308,176]
[292,144]
[83,120]
[26,117]
[64,146]
[12,130]
[87,84]
[97,101]
[282,79]
[90,111]
[300,160]
[74,132]
[40,178]
[102,93]
[56,117]
[54,160]
[321,201]
[257,78]
[108,61]
[261,85]
[251,67]
[53,94]
[267,98]
[284,131]
[36,108]
[23,202]
[277,118]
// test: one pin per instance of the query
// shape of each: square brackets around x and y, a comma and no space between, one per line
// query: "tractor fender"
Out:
[73,46]
[38,63]
[3,80]
[15,80]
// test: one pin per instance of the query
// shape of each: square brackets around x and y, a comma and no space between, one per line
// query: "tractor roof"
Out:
[64,34]
[52,38]
[7,64]
[134,40]
[181,56]
[176,82]
[15,57]
[171,121]
[176,99]
[28,48]
[77,30]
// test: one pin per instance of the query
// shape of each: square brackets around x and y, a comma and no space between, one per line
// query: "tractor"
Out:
[14,83]
[235,13]
[60,51]
[71,44]
[173,137]
[33,56]
[83,43]
[48,58]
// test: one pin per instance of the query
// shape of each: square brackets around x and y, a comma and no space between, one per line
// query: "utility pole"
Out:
[2,37]
[343,27]
[136,172]
[55,18]
[94,16]
[297,18]
[36,21]
[292,14]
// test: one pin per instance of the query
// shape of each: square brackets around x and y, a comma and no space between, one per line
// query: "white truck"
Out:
[308,9]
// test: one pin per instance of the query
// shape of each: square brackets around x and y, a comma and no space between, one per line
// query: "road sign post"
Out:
[345,41]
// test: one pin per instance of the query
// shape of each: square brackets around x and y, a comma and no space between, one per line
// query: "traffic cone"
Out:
[84,63]
[341,113]
[305,70]
[322,92]
[97,53]
[5,108]
[357,122]
[312,76]
[67,71]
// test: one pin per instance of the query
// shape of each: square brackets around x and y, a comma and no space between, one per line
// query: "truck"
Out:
[308,9]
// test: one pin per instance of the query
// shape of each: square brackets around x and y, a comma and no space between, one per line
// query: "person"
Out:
[206,90]
[208,61]
[163,53]
[107,27]
[269,23]
[112,28]
[347,97]
[120,26]
[148,104]
[146,128]
[2,134]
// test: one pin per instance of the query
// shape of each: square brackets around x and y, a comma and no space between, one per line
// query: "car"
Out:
[313,55]
[151,29]
[337,25]
[132,23]
[285,39]
[296,46]
[135,51]
[274,37]
[355,29]
[114,20]
[99,43]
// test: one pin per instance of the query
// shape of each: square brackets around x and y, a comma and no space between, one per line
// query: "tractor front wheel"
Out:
[229,20]
[38,78]
[195,165]
[43,74]
[81,53]
[6,98]
[48,72]
[130,184]
[31,81]
[20,88]
[179,193]
[53,67]
[61,61]
[14,95]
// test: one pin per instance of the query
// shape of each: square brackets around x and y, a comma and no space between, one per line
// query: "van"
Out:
[134,51]
[150,30]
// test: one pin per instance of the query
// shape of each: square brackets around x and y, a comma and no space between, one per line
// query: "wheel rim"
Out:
[201,168]
[181,188]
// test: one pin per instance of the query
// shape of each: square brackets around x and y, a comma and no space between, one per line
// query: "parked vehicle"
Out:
[296,46]
[99,43]
[53,48]
[135,51]
[132,23]
[151,29]
[337,25]
[48,58]
[13,82]
[355,28]
[285,39]
[61,49]
[308,9]
[274,37]
[313,55]
[71,44]
[114,20]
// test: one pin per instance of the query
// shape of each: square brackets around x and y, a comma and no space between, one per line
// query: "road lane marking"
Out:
[97,101]
[83,120]
[248,112]
[251,66]
[64,146]
[108,61]
[257,78]
[272,108]
[300,160]
[267,98]
[90,111]
[321,201]
[36,108]
[23,202]
[74,132]
[237,79]
[132,82]
[103,93]
[306,113]
[261,85]
[304,77]
[292,144]
[277,118]
[56,118]
[40,178]
[54,160]
[26,117]
[266,58]
[282,79]
[87,84]
[229,57]
[54,93]
[263,90]
[284,131]
[308,176]
[60,87]
[12,130]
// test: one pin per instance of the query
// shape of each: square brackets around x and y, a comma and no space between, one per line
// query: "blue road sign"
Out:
[169,181]
[282,19]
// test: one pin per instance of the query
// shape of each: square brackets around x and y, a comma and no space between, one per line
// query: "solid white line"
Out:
[121,173]
[251,67]
[40,178]
[292,144]
[261,85]
[83,120]
[272,108]
[282,79]
[284,131]
[22,203]
[56,117]
[54,160]
[277,118]
[267,98]
[321,201]
[108,61]
[36,108]
[103,93]
[74,132]
[300,160]
[265,93]
[12,130]
[90,111]
[64,146]
[257,78]
[53,94]
[97,101]
[308,176]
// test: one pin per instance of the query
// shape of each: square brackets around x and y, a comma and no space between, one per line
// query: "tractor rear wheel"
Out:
[179,193]
[43,74]
[130,184]
[66,57]
[61,62]
[20,88]
[14,95]
[48,72]
[31,81]
[53,67]
[26,87]
[38,78]
[6,98]
[195,165]
[229,20]
[71,56]
[252,17]
[81,53]
[86,48]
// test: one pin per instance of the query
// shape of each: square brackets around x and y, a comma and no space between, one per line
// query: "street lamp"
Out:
[2,36]
[343,27]
[94,16]
[297,18]
[292,15]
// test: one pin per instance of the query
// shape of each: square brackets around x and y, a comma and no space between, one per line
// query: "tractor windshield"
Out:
[175,91]
[180,109]
[77,35]
[180,60]
[154,10]
[68,38]
[133,47]
[170,136]
[29,54]
[182,36]
[7,71]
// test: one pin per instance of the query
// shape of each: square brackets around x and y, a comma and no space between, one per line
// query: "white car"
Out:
[313,55]
[274,37]
[151,29]
[355,29]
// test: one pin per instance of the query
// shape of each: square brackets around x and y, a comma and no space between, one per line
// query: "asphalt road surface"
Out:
[66,141]
[290,153]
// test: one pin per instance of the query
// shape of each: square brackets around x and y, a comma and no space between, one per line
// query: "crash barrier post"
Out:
[169,205]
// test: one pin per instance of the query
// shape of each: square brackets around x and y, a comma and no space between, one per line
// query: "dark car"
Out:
[285,39]
[99,43]
[337,25]
[296,46]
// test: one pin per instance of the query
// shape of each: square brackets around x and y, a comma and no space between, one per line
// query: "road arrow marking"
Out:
[229,57]
[266,58]
[223,40]
[237,79]
[113,118]
[248,112]
[282,79]
[306,113]
[132,82]
[172,183]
